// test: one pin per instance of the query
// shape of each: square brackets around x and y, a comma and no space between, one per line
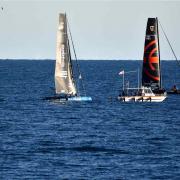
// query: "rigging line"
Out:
[1,4]
[169,44]
[77,64]
[71,68]
[159,54]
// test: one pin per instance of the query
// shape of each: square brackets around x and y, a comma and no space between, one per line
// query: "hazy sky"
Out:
[101,29]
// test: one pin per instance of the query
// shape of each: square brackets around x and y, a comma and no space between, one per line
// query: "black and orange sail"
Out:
[151,76]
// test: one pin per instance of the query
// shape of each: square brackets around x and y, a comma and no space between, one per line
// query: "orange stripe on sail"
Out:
[154,60]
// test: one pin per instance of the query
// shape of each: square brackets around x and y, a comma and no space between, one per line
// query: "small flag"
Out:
[121,72]
[80,77]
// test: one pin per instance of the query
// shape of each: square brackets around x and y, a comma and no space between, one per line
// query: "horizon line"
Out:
[49,59]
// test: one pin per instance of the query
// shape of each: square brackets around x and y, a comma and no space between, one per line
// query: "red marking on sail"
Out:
[153,59]
[151,76]
[144,60]
[151,43]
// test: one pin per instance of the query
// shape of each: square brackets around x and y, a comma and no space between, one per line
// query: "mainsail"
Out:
[151,62]
[64,81]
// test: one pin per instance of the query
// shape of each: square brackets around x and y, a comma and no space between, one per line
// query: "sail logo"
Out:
[148,37]
[63,74]
[61,26]
[152,28]
[62,56]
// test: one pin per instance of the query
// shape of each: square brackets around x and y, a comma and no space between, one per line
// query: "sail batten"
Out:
[64,82]
[151,61]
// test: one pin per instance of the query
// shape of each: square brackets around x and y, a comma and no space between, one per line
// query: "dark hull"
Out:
[173,92]
[68,98]
[55,98]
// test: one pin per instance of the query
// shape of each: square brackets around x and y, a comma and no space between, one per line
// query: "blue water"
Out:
[103,139]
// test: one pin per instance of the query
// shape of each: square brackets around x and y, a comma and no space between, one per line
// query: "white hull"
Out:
[155,98]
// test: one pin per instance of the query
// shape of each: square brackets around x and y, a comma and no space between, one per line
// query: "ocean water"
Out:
[102,139]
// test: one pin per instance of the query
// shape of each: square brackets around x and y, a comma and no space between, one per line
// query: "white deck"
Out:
[145,94]
[142,98]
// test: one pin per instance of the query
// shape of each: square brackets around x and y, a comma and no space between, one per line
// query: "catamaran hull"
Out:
[63,99]
[80,98]
[142,98]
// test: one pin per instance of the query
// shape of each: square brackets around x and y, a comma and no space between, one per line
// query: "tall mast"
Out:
[159,53]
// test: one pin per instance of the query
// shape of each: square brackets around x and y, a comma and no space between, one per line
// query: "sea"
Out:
[102,139]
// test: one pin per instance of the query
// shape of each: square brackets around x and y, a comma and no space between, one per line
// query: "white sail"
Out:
[64,82]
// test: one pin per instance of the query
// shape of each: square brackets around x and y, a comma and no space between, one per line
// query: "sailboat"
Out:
[151,86]
[65,81]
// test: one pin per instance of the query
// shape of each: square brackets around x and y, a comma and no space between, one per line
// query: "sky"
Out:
[102,29]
